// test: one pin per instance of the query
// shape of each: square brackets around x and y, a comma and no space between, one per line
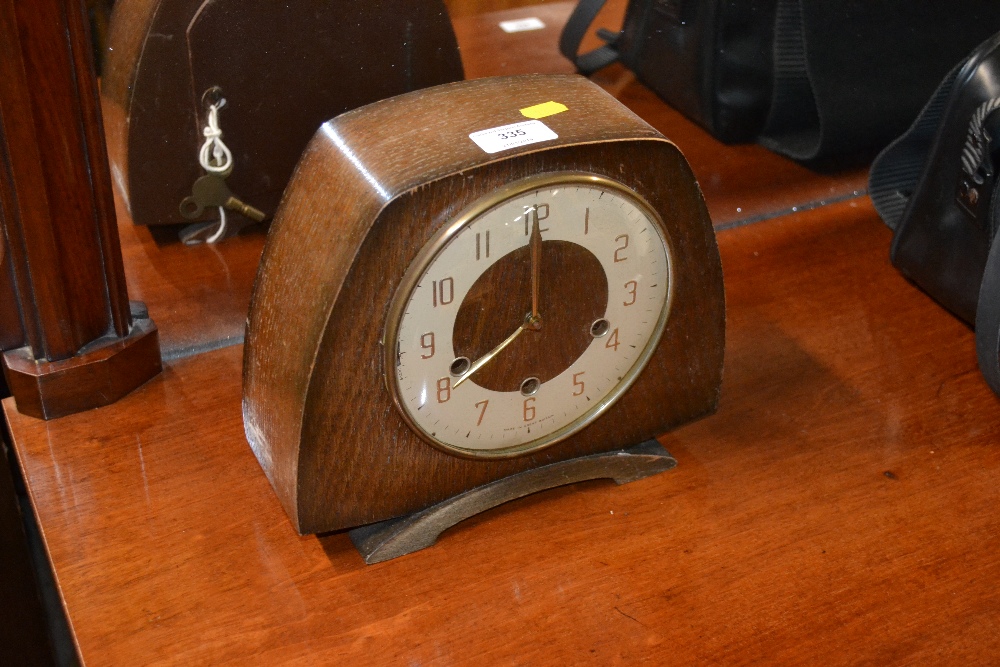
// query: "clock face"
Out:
[528,315]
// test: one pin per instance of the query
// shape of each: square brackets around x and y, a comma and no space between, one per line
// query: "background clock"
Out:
[167,61]
[444,302]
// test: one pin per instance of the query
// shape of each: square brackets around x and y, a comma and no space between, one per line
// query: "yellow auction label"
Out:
[543,110]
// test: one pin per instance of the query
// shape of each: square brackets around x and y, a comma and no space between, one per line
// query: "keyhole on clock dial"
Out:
[573,294]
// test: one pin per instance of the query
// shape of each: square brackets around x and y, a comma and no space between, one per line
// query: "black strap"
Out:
[852,75]
[895,172]
[988,313]
[794,126]
[988,308]
[573,33]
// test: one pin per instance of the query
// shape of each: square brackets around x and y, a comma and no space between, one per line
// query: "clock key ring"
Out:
[211,191]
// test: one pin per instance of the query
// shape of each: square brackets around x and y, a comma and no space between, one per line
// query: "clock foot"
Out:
[397,537]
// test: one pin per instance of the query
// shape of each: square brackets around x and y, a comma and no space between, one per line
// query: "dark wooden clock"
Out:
[283,68]
[470,282]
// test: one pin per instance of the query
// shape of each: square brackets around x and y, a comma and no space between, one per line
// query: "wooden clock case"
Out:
[372,187]
[284,68]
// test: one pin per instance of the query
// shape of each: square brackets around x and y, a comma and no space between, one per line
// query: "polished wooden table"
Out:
[839,508]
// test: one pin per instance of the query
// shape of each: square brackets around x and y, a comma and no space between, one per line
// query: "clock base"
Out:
[385,540]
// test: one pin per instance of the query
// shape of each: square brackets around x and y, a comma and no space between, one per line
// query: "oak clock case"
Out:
[380,200]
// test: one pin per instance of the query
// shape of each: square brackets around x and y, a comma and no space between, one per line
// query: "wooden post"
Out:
[73,343]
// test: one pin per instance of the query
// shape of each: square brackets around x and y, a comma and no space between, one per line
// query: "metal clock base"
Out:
[397,537]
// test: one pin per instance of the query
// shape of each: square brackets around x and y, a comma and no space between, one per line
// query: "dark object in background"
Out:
[853,75]
[804,78]
[283,69]
[99,14]
[935,187]
[710,60]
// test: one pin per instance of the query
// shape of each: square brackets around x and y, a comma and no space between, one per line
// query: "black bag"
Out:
[937,188]
[804,78]
[708,59]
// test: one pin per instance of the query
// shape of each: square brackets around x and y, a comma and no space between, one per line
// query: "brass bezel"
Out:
[437,243]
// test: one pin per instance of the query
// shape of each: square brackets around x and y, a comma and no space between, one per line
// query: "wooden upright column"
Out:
[73,342]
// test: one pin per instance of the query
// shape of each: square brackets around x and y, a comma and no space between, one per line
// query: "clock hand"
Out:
[533,320]
[536,264]
[529,323]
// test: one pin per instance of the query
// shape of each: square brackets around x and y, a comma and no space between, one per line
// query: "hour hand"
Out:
[486,358]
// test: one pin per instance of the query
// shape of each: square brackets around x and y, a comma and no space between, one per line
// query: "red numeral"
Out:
[427,343]
[631,292]
[613,341]
[621,247]
[444,390]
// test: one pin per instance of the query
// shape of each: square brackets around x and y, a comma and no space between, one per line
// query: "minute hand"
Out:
[535,244]
[485,359]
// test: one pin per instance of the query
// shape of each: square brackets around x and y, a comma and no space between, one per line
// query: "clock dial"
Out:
[528,315]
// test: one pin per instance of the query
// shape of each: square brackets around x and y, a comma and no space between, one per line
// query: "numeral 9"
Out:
[427,343]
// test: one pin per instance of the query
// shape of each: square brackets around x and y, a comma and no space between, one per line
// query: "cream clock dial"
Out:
[528,315]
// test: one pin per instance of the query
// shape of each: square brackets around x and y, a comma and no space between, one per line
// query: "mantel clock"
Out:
[474,281]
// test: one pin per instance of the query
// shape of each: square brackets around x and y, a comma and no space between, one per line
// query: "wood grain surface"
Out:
[838,509]
[463,8]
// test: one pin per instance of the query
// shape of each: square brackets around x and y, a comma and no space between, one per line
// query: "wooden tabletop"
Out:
[839,508]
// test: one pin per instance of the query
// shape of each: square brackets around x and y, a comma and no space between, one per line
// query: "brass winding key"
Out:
[210,191]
